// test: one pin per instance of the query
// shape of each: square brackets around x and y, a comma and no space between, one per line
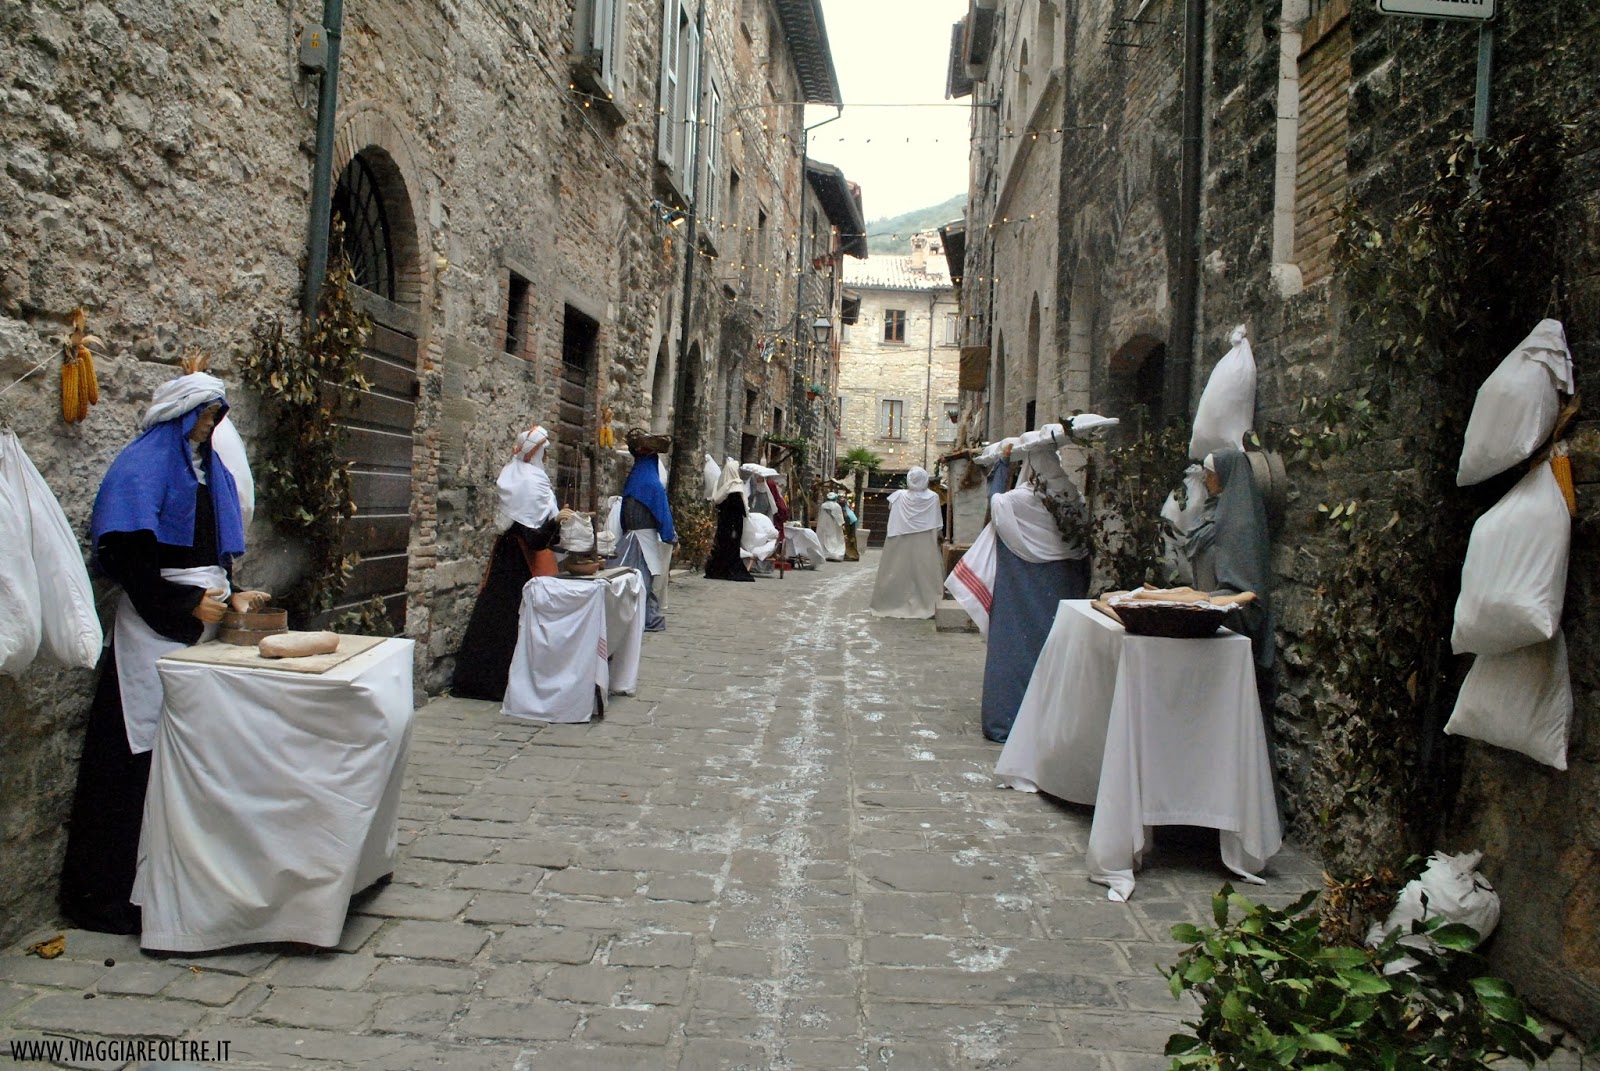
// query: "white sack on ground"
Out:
[1517,405]
[1521,701]
[1453,890]
[1514,581]
[70,628]
[1227,406]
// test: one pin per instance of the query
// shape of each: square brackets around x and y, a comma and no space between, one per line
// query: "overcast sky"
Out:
[894,52]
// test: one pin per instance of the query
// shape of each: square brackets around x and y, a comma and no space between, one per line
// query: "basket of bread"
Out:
[1174,613]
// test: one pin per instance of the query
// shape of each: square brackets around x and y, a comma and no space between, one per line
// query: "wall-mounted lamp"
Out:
[821,330]
[672,217]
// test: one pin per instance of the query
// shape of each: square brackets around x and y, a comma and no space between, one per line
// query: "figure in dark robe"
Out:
[167,528]
[725,562]
[530,528]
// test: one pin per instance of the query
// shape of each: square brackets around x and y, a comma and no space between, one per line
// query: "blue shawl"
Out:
[644,485]
[151,487]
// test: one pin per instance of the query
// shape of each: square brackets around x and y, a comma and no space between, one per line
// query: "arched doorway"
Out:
[374,228]
[998,428]
[1137,382]
[661,388]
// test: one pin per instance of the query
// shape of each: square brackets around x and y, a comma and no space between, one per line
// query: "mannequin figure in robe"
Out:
[1035,567]
[167,528]
[529,523]
[911,571]
[724,562]
[830,528]
[647,520]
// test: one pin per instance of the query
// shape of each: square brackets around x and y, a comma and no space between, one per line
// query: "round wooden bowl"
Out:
[581,566]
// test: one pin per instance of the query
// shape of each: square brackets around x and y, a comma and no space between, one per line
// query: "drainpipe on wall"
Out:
[322,168]
[927,390]
[1186,301]
[681,446]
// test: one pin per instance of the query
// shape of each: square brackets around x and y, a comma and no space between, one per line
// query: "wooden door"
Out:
[575,429]
[378,448]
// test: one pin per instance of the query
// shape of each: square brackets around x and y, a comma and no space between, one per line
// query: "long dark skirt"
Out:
[1026,596]
[107,813]
[484,662]
[725,563]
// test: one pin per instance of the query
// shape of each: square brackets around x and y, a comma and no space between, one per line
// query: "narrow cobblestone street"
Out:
[786,852]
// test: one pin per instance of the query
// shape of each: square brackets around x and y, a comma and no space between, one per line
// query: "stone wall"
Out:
[157,170]
[872,370]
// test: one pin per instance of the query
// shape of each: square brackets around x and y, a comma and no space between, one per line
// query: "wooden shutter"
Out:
[689,90]
[667,121]
[713,135]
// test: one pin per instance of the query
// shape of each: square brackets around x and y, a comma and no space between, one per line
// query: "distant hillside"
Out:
[881,233]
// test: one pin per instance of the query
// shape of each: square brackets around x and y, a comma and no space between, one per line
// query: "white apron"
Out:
[137,648]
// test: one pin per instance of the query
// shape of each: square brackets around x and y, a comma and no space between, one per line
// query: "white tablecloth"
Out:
[273,797]
[625,603]
[1152,732]
[576,634]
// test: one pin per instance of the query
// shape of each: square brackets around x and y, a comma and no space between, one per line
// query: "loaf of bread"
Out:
[299,644]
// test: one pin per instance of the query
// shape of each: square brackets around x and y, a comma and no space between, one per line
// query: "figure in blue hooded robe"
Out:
[167,528]
[647,522]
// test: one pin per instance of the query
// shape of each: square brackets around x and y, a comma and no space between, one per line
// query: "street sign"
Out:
[1468,10]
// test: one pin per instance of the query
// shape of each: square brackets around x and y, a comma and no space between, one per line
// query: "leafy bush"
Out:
[1274,995]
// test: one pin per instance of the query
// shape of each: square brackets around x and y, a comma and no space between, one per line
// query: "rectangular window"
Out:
[680,95]
[712,208]
[1321,149]
[952,329]
[516,340]
[891,419]
[950,413]
[894,325]
[777,421]
[751,398]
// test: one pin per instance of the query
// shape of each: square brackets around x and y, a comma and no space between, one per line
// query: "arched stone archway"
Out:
[661,388]
[1030,370]
[1136,383]
[997,389]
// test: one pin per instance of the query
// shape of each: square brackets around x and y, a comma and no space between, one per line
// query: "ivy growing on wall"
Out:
[1437,293]
[308,384]
[1126,486]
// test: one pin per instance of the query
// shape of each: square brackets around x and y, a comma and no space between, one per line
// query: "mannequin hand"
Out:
[1006,453]
[566,515]
[246,601]
[211,607]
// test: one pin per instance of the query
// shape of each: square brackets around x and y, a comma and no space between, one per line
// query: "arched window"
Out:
[368,240]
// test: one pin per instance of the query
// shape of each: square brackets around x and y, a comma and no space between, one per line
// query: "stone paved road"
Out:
[785,852]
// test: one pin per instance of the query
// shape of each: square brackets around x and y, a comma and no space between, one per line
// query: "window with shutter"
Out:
[689,91]
[598,39]
[891,422]
[667,120]
[951,413]
[842,400]
[713,156]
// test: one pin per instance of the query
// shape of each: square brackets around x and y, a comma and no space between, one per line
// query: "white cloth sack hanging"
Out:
[70,627]
[1227,406]
[577,534]
[561,652]
[1517,405]
[1514,581]
[1521,701]
[20,617]
[971,582]
[1450,888]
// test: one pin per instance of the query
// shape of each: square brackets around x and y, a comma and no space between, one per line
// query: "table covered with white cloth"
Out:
[1151,731]
[273,797]
[578,639]
[801,542]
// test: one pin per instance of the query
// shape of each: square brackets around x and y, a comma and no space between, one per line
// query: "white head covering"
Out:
[833,496]
[730,484]
[526,496]
[227,444]
[178,396]
[712,475]
[915,509]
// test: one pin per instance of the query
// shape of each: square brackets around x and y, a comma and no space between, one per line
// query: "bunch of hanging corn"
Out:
[79,387]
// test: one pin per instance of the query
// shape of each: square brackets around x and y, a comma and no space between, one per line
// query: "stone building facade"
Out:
[899,362]
[510,186]
[1290,109]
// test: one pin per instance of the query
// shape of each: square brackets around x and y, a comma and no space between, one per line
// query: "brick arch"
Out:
[367,130]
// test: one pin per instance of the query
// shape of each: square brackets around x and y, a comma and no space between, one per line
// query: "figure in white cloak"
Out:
[911,571]
[830,528]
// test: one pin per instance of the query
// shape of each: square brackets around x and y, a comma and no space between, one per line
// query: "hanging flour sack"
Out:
[1517,405]
[70,627]
[1514,581]
[1521,701]
[19,582]
[1227,407]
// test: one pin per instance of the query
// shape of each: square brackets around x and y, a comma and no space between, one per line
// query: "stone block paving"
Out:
[786,851]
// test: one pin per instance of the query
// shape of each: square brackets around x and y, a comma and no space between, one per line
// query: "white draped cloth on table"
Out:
[1151,731]
[760,537]
[625,599]
[561,655]
[273,797]
[802,542]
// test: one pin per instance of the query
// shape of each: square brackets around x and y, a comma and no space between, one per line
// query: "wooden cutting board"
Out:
[217,653]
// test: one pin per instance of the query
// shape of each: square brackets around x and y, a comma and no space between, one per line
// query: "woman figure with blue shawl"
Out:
[167,528]
[647,521]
